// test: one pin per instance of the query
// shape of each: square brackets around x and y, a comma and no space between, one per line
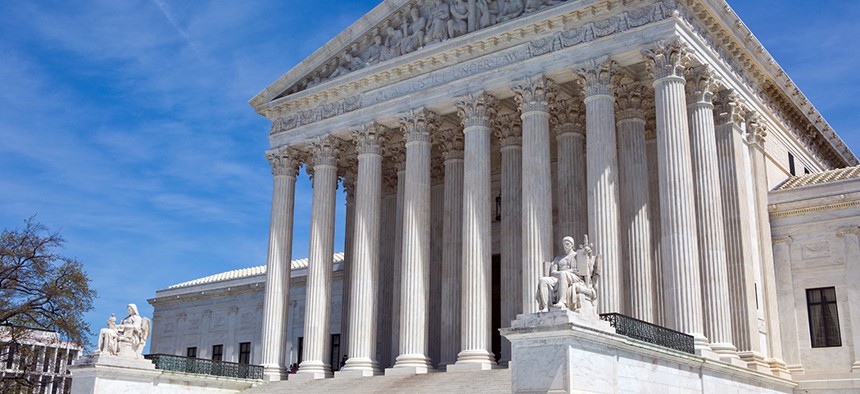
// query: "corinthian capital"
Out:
[701,85]
[508,128]
[665,60]
[534,94]
[568,116]
[368,139]
[630,100]
[728,108]
[324,151]
[756,130]
[284,161]
[417,125]
[450,142]
[476,109]
[597,77]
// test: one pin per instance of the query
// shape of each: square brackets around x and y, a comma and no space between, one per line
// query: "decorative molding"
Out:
[450,142]
[567,115]
[534,94]
[814,210]
[325,151]
[508,128]
[369,139]
[630,101]
[476,110]
[756,133]
[598,77]
[729,108]
[784,239]
[418,125]
[666,60]
[284,161]
[851,230]
[815,250]
[701,85]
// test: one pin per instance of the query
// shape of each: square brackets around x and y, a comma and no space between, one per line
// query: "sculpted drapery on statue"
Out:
[572,279]
[126,339]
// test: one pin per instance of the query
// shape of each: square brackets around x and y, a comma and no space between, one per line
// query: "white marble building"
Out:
[471,136]
[193,318]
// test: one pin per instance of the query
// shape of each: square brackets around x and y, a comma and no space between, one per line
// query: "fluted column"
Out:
[851,238]
[348,183]
[654,212]
[320,253]
[635,206]
[389,212]
[475,341]
[680,251]
[755,136]
[452,245]
[785,290]
[273,340]
[365,255]
[397,257]
[569,122]
[415,276]
[709,212]
[509,132]
[597,78]
[533,96]
[735,194]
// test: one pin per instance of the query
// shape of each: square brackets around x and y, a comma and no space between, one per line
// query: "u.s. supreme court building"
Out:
[471,136]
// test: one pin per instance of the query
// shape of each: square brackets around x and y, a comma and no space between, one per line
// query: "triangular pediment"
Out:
[393,29]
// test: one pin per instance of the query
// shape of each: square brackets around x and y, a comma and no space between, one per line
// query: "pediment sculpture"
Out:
[571,280]
[420,24]
[126,339]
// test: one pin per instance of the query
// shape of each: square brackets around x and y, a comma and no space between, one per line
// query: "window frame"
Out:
[829,324]
[219,353]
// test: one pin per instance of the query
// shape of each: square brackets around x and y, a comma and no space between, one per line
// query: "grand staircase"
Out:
[495,381]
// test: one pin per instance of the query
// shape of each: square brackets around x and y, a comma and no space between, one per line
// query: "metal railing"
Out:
[651,333]
[168,362]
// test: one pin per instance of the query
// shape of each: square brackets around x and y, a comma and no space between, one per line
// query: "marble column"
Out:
[786,292]
[635,216]
[320,254]
[475,112]
[597,78]
[756,134]
[389,212]
[397,257]
[452,245]
[533,96]
[365,255]
[509,132]
[654,212]
[568,118]
[273,340]
[735,195]
[850,236]
[348,183]
[709,212]
[437,221]
[680,250]
[415,277]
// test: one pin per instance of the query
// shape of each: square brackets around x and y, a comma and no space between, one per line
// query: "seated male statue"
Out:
[572,279]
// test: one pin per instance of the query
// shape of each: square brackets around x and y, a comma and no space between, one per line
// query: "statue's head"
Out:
[132,309]
[567,243]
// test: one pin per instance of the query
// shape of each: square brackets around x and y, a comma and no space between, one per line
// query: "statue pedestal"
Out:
[562,352]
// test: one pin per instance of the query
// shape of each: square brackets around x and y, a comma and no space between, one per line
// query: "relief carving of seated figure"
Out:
[572,280]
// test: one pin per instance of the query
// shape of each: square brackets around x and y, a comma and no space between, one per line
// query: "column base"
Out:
[359,367]
[755,361]
[471,367]
[703,348]
[410,364]
[778,369]
[274,373]
[728,354]
[854,367]
[313,370]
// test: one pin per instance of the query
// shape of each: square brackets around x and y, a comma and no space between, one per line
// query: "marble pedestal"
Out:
[564,352]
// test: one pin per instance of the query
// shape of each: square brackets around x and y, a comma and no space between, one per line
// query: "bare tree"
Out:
[43,297]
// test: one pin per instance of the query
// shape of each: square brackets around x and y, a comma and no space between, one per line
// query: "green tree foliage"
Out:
[41,292]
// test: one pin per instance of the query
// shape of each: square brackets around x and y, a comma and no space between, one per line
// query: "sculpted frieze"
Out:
[418,25]
[560,40]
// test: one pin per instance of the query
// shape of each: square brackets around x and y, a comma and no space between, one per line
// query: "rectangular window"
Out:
[191,352]
[791,164]
[335,352]
[217,352]
[245,353]
[823,317]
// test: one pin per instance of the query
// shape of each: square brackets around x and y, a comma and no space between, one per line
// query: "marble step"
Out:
[495,381]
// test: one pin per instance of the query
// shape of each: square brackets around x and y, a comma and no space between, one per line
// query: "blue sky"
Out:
[125,124]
